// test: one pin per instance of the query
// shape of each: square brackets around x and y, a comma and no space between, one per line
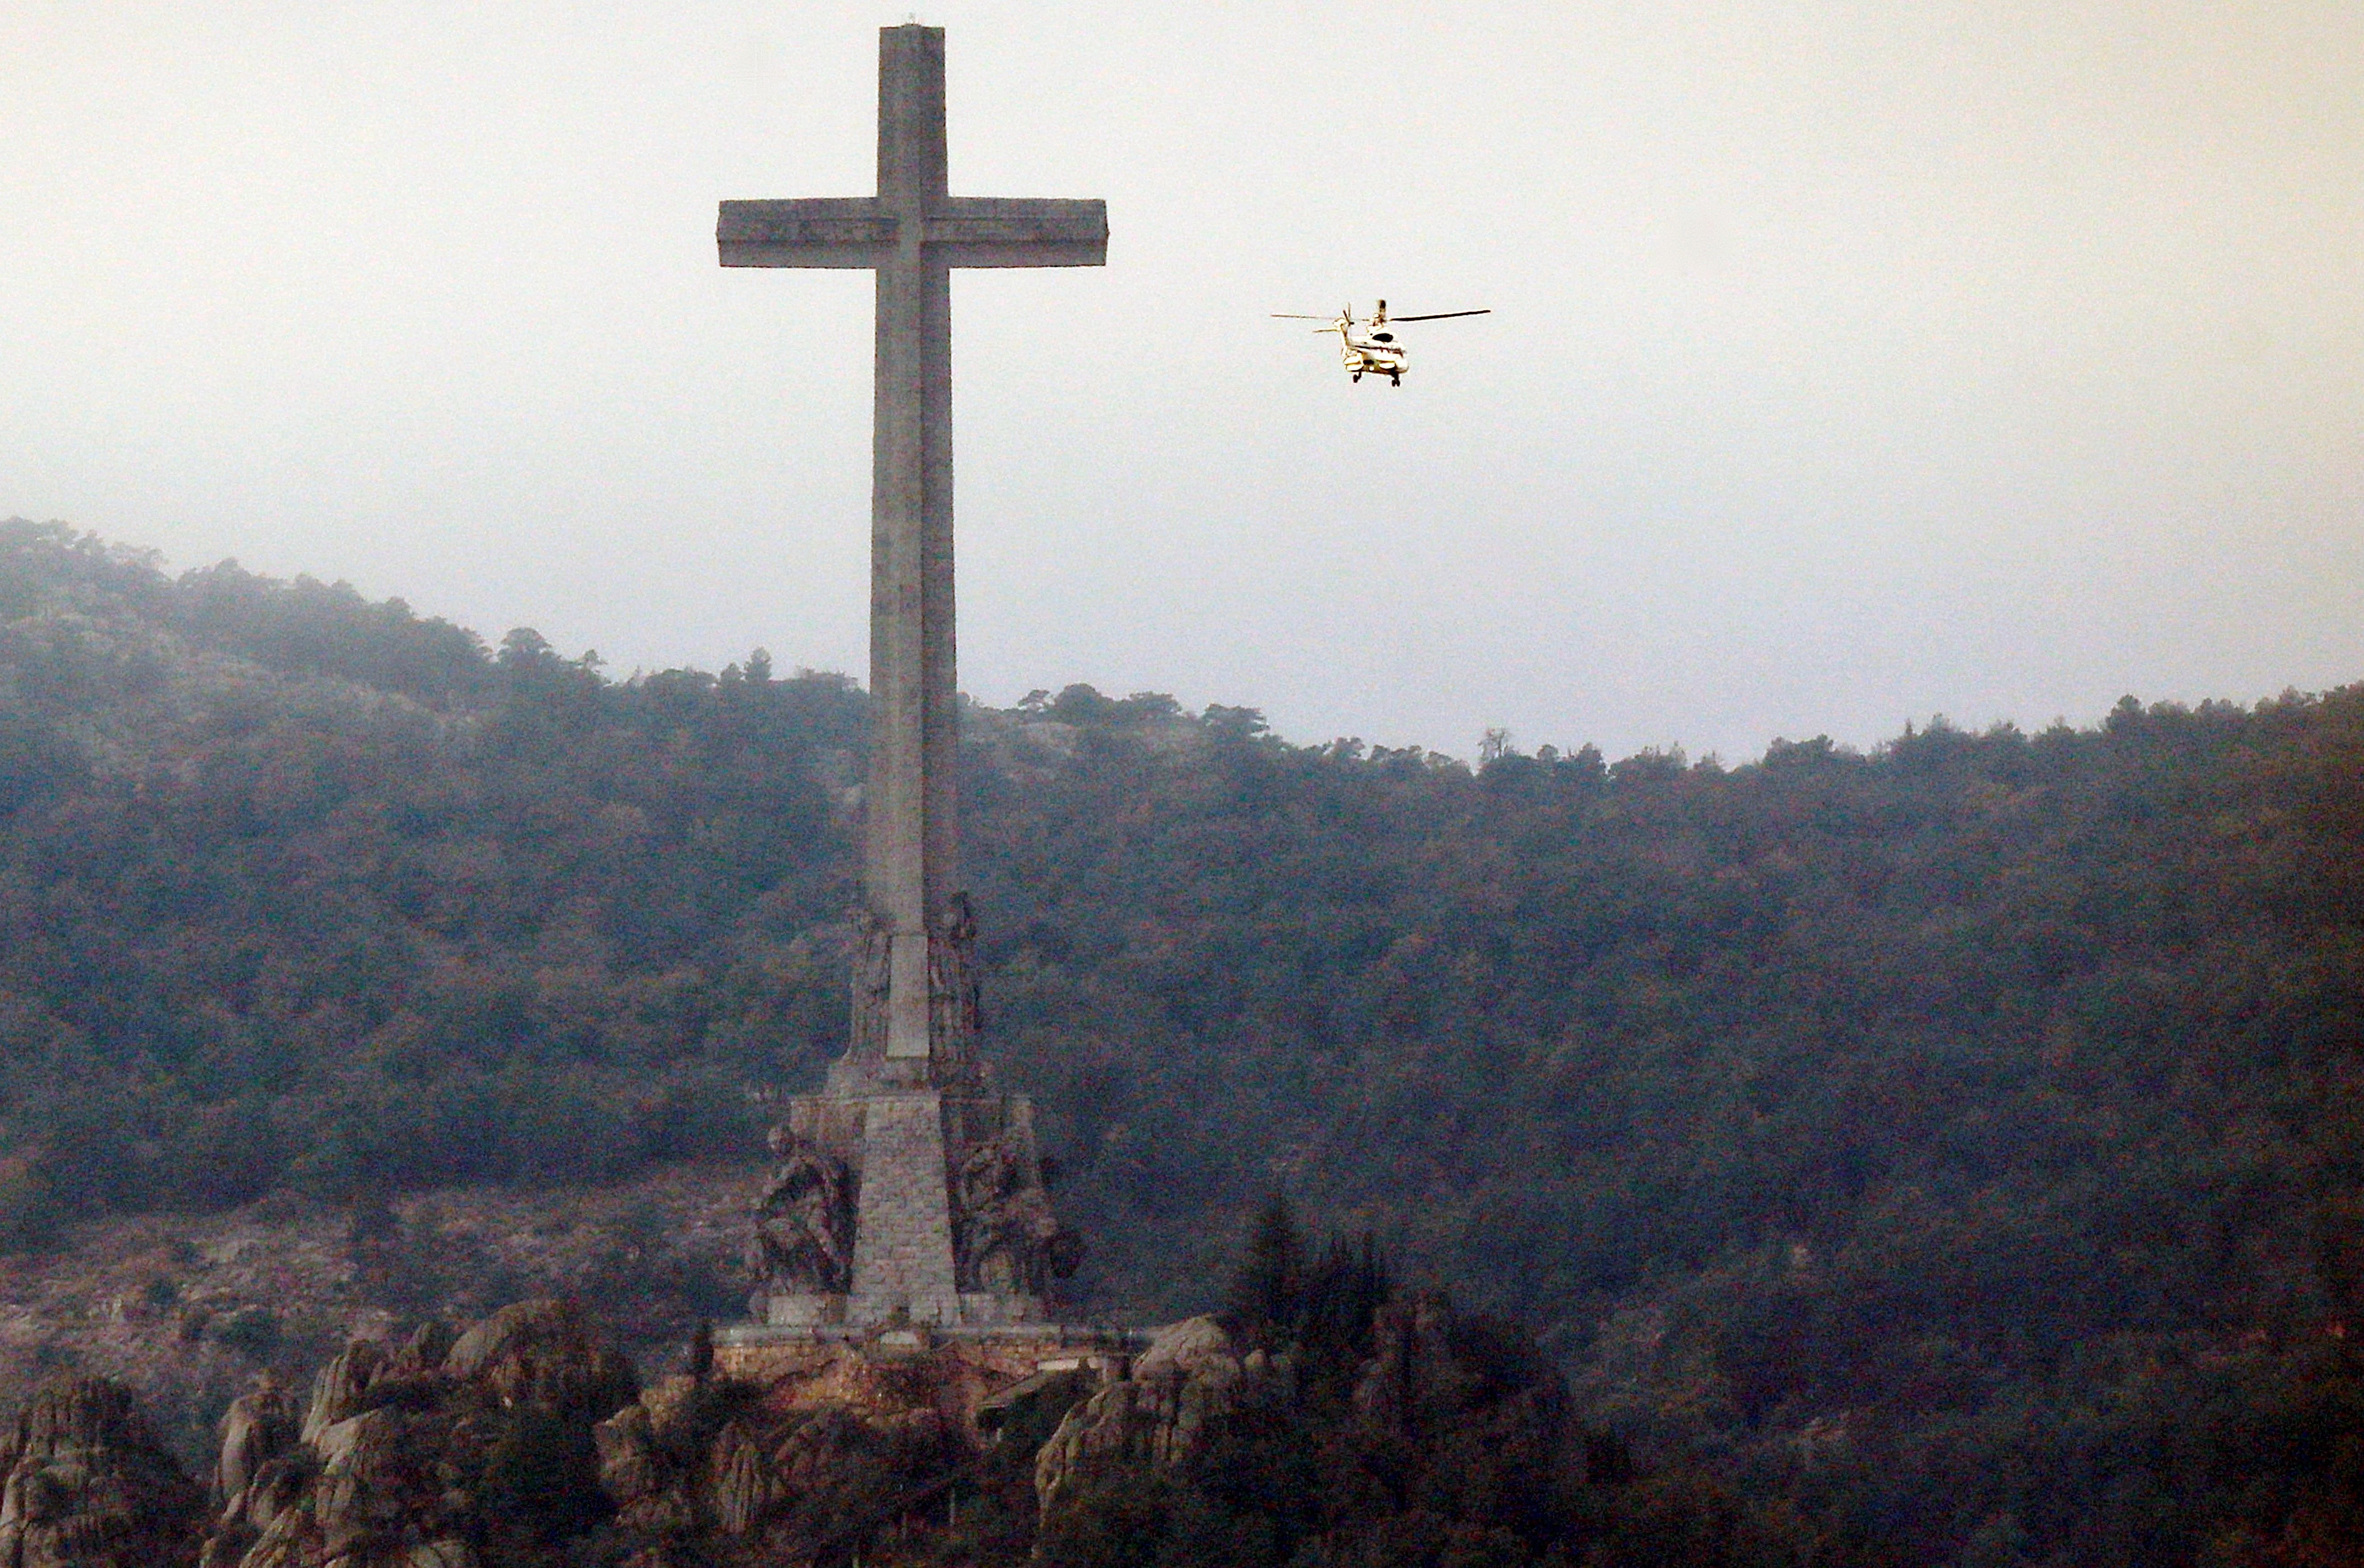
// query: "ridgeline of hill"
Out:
[1963,1142]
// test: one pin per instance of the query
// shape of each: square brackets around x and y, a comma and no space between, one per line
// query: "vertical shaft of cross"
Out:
[912,848]
[914,988]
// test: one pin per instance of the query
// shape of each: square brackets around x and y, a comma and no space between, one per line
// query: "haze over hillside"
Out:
[1958,1138]
[1849,362]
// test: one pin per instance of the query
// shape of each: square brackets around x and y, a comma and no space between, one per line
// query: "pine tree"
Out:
[1266,1289]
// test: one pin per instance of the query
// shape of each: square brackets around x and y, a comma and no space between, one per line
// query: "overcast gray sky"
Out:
[1850,362]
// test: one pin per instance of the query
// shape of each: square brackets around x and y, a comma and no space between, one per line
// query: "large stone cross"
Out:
[909,1011]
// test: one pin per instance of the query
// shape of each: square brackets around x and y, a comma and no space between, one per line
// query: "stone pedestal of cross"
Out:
[914,992]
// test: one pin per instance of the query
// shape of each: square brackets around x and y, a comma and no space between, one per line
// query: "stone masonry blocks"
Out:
[903,1231]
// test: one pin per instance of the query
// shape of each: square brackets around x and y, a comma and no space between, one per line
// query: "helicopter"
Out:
[1367,344]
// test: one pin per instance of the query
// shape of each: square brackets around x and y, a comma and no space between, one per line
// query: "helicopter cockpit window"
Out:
[1383,337]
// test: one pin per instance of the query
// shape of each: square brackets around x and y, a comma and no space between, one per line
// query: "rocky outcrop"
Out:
[744,1487]
[524,1444]
[90,1487]
[544,1354]
[257,1429]
[1193,1375]
[1430,1381]
[424,1456]
[705,1468]
[652,1457]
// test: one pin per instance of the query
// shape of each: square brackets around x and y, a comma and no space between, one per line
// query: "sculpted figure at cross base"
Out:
[804,1221]
[1007,1241]
[956,1016]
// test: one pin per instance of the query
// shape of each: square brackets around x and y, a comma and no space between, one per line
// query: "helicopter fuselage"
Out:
[1366,344]
[1374,354]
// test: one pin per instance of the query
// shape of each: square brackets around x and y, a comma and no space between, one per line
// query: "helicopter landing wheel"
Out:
[1395,380]
[1358,375]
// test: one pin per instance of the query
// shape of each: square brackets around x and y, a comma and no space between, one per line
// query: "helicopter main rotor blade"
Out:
[1442,315]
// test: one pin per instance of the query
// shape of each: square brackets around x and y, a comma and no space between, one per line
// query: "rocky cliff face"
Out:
[89,1487]
[525,1442]
[1192,1376]
[700,1468]
[418,1455]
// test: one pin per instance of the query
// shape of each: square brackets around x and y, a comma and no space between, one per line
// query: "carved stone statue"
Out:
[804,1221]
[953,983]
[1006,1239]
[872,979]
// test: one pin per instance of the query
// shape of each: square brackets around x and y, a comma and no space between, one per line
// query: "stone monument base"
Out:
[901,1204]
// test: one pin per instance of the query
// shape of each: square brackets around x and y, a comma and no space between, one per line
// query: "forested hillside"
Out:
[1964,1140]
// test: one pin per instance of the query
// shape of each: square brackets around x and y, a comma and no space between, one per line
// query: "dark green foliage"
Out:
[252,1331]
[1335,1309]
[1939,1132]
[29,1210]
[297,889]
[540,1479]
[1393,1431]
[1320,1309]
[1124,1519]
[992,1515]
[1264,1301]
[1963,1139]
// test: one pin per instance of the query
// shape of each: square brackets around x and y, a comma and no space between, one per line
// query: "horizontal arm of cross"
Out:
[959,231]
[819,232]
[1019,231]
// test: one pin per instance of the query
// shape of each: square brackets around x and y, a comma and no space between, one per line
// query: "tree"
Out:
[1262,1299]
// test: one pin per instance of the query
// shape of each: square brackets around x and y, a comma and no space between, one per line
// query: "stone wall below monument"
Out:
[978,1309]
[798,1309]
